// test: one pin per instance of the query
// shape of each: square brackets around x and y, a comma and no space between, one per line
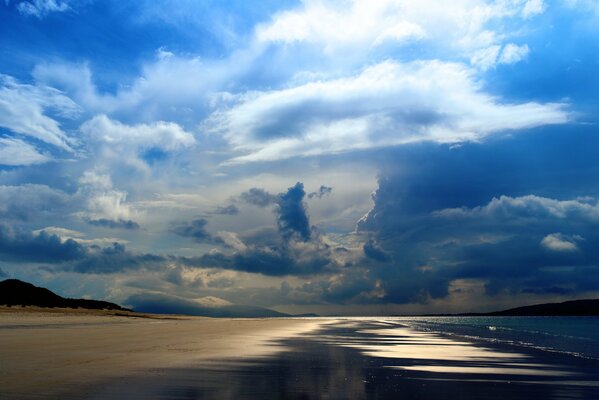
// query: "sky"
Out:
[336,157]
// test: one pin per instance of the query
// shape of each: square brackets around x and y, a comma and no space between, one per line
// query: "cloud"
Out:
[195,229]
[102,200]
[362,26]
[15,152]
[532,8]
[230,209]
[322,192]
[290,209]
[258,197]
[114,224]
[19,245]
[41,8]
[292,258]
[31,201]
[114,259]
[386,104]
[561,242]
[513,53]
[23,110]
[292,218]
[497,243]
[167,136]
[372,250]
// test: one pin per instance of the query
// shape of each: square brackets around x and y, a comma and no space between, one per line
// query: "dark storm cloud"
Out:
[114,224]
[468,213]
[292,218]
[274,261]
[258,197]
[195,229]
[372,250]
[19,245]
[115,258]
[322,192]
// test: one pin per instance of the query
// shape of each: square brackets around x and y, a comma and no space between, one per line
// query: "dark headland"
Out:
[14,292]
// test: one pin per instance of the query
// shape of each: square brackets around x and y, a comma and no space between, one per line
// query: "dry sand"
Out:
[59,353]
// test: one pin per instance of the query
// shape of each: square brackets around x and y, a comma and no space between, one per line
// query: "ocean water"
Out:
[576,336]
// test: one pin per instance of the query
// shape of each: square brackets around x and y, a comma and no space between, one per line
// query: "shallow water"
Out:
[375,359]
[578,336]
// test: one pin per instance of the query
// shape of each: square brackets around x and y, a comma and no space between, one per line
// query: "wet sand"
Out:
[103,357]
[67,353]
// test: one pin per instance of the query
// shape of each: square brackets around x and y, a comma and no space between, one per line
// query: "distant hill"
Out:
[162,304]
[567,308]
[14,292]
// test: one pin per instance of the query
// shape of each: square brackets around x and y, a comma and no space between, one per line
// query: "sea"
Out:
[575,336]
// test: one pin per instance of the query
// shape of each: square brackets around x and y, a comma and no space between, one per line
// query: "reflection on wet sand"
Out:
[374,359]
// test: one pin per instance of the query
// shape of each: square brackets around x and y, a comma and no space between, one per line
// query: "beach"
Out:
[64,353]
[101,357]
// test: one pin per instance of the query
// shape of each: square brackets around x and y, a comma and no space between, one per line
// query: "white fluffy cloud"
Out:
[386,104]
[513,53]
[531,207]
[360,25]
[24,107]
[561,242]
[167,136]
[102,199]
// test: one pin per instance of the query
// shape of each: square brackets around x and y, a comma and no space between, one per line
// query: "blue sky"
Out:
[350,157]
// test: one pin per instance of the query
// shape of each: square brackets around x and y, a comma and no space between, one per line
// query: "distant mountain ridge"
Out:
[14,292]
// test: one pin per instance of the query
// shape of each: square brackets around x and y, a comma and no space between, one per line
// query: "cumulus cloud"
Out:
[389,103]
[290,209]
[24,109]
[292,217]
[503,243]
[102,200]
[560,242]
[20,245]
